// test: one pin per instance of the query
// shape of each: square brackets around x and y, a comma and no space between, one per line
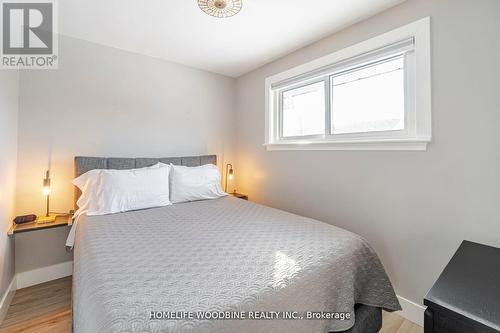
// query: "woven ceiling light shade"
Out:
[220,8]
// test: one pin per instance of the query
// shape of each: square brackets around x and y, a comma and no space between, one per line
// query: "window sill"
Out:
[354,145]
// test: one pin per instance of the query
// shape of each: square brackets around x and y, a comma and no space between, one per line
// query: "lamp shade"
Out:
[46,190]
[46,184]
[229,175]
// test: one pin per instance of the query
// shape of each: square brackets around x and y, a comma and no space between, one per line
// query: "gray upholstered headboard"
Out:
[84,164]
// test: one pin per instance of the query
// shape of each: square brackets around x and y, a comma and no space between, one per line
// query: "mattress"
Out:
[253,268]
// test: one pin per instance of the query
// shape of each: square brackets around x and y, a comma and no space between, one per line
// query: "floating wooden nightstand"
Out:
[239,195]
[61,221]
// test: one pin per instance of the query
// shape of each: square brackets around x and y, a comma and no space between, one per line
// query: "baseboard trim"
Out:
[7,298]
[412,311]
[44,274]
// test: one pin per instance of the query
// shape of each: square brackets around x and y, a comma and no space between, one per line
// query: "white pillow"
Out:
[194,183]
[114,191]
[87,183]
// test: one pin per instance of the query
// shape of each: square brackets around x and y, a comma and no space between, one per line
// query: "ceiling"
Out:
[178,31]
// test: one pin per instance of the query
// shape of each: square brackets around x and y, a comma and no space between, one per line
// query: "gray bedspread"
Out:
[220,255]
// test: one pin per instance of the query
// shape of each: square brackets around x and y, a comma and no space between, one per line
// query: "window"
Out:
[366,97]
[303,110]
[369,99]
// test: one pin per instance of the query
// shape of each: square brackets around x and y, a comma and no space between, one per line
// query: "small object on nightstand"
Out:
[239,195]
[24,219]
[46,219]
[466,296]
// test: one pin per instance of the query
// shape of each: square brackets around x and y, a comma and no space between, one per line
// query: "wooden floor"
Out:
[43,308]
[392,323]
[47,308]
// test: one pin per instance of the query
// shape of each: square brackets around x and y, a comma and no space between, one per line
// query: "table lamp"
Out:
[229,173]
[48,218]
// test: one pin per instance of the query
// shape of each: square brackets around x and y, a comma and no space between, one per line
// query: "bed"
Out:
[166,269]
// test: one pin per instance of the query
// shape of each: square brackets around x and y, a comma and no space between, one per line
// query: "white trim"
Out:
[412,311]
[7,298]
[44,274]
[419,130]
[359,145]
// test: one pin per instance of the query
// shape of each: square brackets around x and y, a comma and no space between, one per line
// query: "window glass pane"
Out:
[369,99]
[304,110]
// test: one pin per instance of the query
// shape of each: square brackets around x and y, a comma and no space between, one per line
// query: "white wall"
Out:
[415,208]
[9,83]
[107,102]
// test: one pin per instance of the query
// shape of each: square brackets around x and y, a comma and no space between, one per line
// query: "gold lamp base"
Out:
[46,219]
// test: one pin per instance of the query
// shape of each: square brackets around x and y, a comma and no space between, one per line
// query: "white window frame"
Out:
[412,40]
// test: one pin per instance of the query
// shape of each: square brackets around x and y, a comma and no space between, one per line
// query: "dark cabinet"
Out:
[466,296]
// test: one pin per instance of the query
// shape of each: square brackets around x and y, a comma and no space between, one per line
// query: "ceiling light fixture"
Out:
[220,8]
